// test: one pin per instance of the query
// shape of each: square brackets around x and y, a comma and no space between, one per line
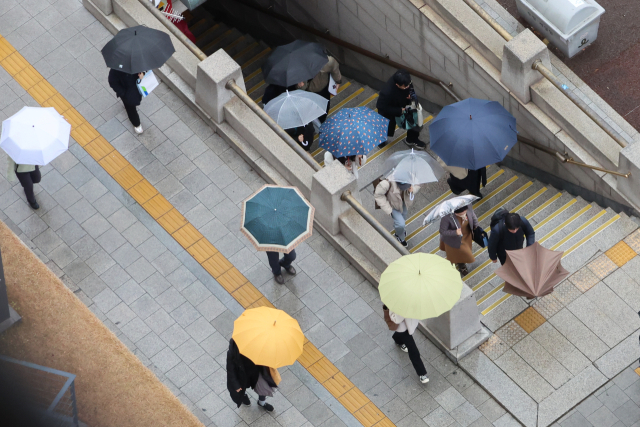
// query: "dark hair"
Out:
[402,78]
[462,209]
[344,159]
[513,221]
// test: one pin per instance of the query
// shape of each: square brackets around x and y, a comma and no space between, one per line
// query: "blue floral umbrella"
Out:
[353,131]
[277,219]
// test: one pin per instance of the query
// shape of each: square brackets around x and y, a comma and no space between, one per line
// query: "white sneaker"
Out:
[404,348]
[424,379]
[138,129]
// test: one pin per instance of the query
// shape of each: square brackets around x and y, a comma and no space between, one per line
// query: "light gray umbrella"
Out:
[297,108]
[412,167]
[447,207]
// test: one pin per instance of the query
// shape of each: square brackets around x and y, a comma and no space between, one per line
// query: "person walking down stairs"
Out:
[456,237]
[394,198]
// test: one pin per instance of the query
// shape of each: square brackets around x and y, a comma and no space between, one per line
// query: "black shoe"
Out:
[34,205]
[403,242]
[266,406]
[279,279]
[384,144]
[417,144]
[292,271]
[246,401]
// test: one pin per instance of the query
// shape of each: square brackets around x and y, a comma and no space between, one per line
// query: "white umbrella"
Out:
[35,136]
[412,167]
[447,207]
[297,108]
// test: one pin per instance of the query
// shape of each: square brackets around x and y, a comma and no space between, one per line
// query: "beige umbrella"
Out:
[532,272]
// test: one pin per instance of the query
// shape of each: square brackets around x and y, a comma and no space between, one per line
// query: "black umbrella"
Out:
[293,63]
[138,49]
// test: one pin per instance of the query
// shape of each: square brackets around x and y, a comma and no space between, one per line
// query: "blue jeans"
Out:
[399,219]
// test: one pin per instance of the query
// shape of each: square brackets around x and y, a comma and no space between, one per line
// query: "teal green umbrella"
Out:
[277,219]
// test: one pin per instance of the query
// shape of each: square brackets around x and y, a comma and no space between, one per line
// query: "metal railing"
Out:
[46,392]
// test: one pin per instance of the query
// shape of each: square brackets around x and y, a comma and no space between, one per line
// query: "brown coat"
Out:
[321,80]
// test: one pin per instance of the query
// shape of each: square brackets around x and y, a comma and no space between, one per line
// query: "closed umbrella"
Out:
[532,272]
[293,63]
[277,219]
[137,49]
[35,136]
[412,167]
[447,207]
[473,133]
[353,131]
[268,337]
[297,108]
[420,286]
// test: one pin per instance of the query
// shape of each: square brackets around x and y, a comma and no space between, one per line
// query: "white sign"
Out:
[577,3]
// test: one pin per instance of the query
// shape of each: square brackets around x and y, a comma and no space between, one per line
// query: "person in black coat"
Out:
[508,235]
[471,182]
[124,85]
[394,97]
[303,135]
[242,373]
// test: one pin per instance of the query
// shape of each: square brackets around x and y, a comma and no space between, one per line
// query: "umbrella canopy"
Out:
[532,271]
[412,167]
[35,136]
[277,219]
[297,108]
[268,337]
[447,207]
[473,133]
[420,286]
[353,131]
[137,49]
[293,63]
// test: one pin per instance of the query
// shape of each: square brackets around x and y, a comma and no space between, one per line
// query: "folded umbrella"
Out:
[268,337]
[412,167]
[532,272]
[35,136]
[353,131]
[293,63]
[297,108]
[137,49]
[473,133]
[447,207]
[277,219]
[420,286]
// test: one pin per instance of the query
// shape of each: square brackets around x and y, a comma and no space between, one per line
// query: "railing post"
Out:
[211,78]
[327,186]
[518,56]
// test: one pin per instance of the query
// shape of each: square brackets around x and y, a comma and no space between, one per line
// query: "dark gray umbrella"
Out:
[293,63]
[138,49]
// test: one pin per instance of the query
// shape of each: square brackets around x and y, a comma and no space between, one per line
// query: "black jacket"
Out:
[308,133]
[502,240]
[273,91]
[392,100]
[124,85]
[242,373]
[471,182]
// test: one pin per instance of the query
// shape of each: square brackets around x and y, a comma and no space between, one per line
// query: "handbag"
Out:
[147,84]
[412,117]
[480,237]
[442,248]
[390,323]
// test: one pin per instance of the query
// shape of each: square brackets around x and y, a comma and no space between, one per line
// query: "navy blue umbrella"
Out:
[473,133]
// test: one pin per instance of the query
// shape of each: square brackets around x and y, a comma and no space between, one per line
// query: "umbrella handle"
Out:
[411,196]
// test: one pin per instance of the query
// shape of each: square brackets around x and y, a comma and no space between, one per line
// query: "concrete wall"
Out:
[448,40]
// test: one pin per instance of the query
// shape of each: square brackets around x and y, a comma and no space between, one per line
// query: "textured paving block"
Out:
[547,306]
[58,102]
[201,251]
[128,177]
[637,371]
[310,355]
[217,265]
[530,320]
[353,400]
[621,253]
[494,347]
[113,163]
[98,148]
[74,117]
[369,415]
[27,78]
[84,134]
[584,279]
[602,266]
[262,302]
[14,63]
[322,370]
[232,279]
[338,385]
[157,206]
[5,48]
[41,91]
[385,422]
[633,240]
[187,235]
[246,295]
[172,220]
[511,333]
[143,191]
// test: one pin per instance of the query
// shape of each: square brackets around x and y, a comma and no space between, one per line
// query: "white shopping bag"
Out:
[332,86]
[147,84]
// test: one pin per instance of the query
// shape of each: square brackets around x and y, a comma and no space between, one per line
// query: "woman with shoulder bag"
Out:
[456,237]
[404,329]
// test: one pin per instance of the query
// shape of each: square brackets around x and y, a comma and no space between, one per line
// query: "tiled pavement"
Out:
[168,310]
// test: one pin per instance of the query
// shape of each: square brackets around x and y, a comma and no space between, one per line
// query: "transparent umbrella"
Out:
[412,167]
[297,108]
[447,207]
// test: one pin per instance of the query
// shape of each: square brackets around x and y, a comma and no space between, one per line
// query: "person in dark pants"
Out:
[403,337]
[394,97]
[278,264]
[508,235]
[27,175]
[124,85]
[472,182]
[242,373]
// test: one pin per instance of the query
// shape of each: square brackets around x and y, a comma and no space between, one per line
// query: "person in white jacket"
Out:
[403,338]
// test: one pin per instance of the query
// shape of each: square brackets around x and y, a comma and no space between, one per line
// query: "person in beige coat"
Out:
[320,83]
[394,198]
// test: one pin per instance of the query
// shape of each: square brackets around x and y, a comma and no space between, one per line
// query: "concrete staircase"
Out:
[561,221]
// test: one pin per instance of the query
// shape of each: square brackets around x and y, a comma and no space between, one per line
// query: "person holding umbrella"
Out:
[242,374]
[456,237]
[394,198]
[320,82]
[403,337]
[396,94]
[129,55]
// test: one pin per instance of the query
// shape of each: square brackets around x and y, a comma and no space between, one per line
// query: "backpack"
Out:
[498,216]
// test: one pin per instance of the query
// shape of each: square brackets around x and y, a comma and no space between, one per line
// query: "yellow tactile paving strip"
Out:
[182,231]
[621,253]
[530,320]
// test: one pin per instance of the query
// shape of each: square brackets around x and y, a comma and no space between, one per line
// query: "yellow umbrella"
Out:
[420,286]
[268,337]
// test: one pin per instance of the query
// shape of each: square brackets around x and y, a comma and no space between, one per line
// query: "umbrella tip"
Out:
[470,117]
[274,322]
